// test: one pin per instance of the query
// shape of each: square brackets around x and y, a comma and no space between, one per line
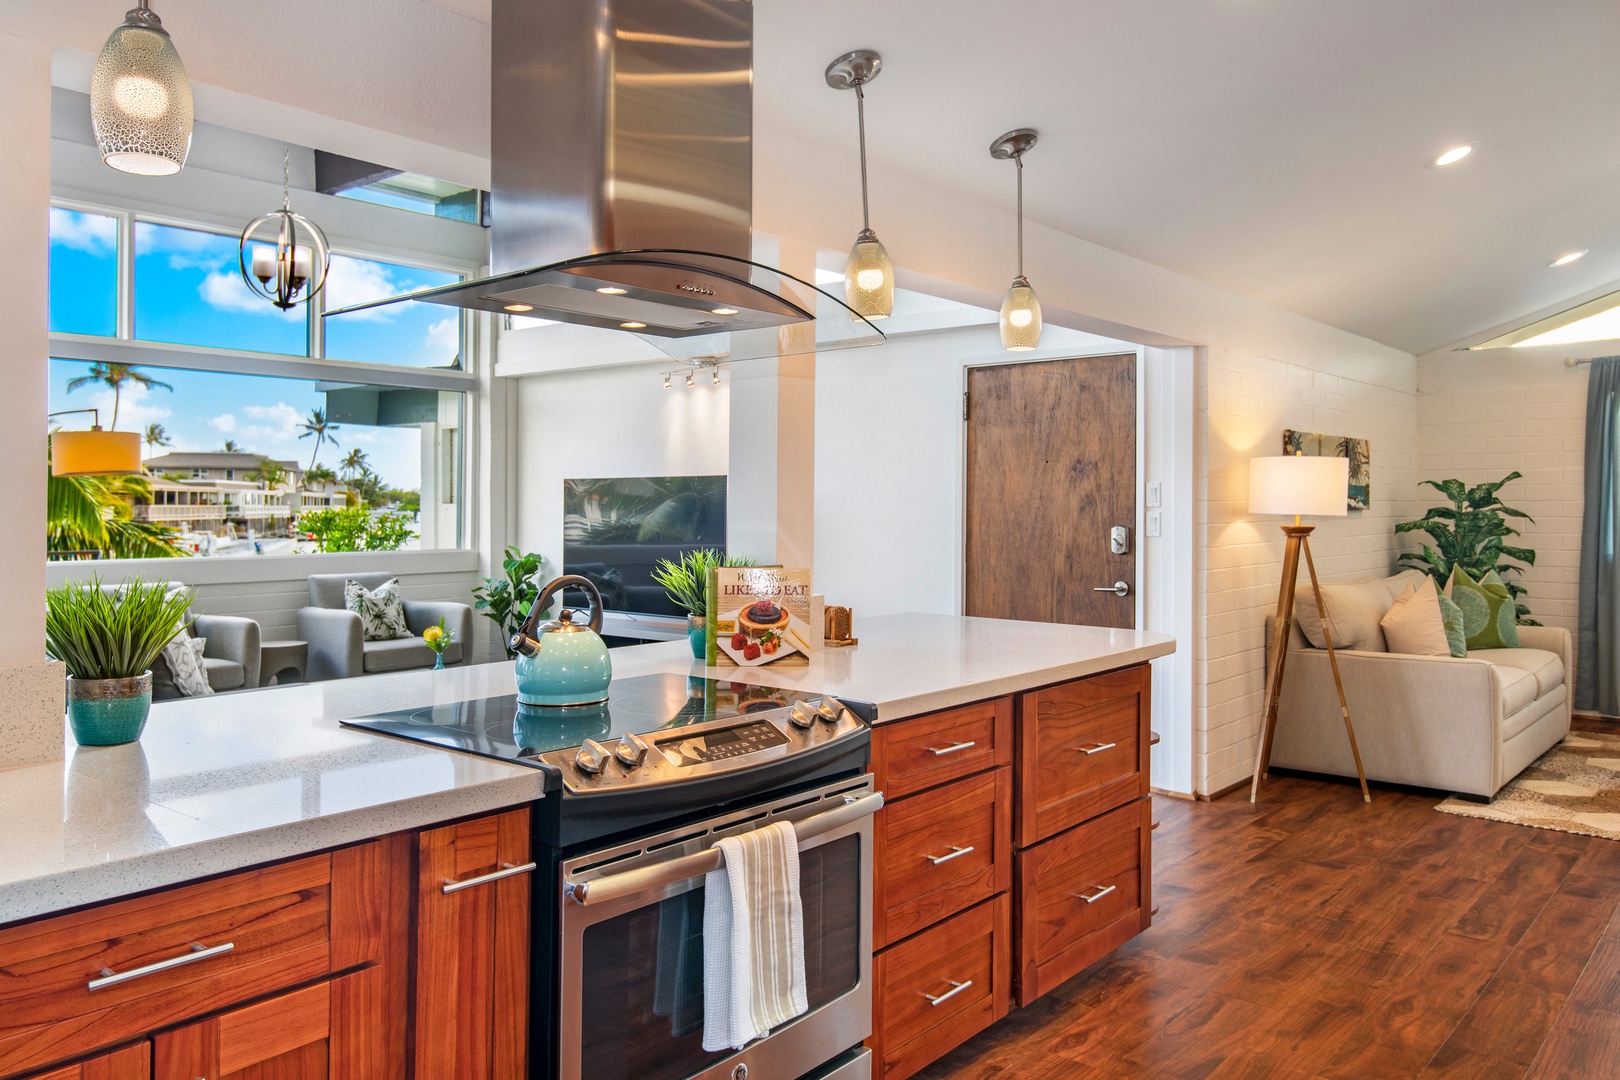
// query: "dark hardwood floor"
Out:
[1314,936]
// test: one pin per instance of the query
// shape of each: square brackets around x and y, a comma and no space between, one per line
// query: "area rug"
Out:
[1574,788]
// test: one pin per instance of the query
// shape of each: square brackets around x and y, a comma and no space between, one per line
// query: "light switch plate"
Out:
[1153,523]
[1155,496]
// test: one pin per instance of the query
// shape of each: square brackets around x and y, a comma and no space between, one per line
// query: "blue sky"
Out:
[188,290]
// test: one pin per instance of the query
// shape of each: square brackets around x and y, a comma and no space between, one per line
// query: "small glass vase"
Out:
[438,661]
[697,632]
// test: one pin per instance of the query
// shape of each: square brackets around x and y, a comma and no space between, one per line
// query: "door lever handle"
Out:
[1118,588]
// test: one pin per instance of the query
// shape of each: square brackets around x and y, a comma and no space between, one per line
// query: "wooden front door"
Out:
[1051,469]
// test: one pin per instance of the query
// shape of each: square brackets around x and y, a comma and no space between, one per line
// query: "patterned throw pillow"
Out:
[1452,616]
[184,655]
[381,611]
[1490,620]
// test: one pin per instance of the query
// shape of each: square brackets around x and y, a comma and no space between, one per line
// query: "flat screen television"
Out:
[616,529]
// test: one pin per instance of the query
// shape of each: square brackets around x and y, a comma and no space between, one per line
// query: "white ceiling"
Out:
[1273,148]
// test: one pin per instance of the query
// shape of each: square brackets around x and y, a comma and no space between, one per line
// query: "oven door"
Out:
[631,955]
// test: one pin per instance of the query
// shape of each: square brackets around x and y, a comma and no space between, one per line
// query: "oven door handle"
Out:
[630,882]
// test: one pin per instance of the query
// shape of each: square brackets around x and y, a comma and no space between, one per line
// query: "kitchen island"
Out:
[270,780]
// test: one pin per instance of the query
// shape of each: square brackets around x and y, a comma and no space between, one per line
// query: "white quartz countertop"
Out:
[221,783]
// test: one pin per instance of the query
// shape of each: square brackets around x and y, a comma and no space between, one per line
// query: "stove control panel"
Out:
[721,743]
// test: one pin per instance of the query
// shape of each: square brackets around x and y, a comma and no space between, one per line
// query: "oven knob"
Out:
[591,757]
[829,711]
[631,751]
[801,717]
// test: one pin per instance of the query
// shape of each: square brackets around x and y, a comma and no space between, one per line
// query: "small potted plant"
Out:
[687,583]
[438,639]
[506,601]
[108,640]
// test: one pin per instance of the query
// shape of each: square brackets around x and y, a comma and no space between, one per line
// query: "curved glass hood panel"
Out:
[695,306]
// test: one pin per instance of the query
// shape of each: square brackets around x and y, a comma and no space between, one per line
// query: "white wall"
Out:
[1484,415]
[1245,403]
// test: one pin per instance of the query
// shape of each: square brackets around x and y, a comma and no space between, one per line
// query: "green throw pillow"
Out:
[1452,616]
[1490,619]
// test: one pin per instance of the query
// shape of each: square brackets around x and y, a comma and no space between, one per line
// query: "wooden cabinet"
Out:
[130,1063]
[333,1029]
[472,950]
[926,751]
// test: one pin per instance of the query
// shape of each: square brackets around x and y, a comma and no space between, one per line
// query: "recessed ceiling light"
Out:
[1568,257]
[633,325]
[519,307]
[723,311]
[611,290]
[1455,154]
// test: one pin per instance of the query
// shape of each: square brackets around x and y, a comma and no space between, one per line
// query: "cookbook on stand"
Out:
[760,615]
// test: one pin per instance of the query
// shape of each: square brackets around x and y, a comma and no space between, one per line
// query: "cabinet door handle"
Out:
[937,1000]
[956,853]
[507,870]
[941,751]
[1096,748]
[1099,891]
[198,952]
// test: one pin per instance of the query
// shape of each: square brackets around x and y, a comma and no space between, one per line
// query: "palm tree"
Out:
[354,464]
[319,476]
[156,435]
[115,376]
[320,427]
[271,473]
[232,447]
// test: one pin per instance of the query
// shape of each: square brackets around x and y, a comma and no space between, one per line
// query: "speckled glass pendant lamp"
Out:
[140,98]
[868,275]
[1020,309]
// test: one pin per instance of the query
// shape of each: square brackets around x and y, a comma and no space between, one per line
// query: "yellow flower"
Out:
[432,634]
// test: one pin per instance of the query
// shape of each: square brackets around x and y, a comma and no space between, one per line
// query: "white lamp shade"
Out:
[1307,486]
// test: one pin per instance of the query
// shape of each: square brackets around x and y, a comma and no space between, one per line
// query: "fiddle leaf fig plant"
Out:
[1472,533]
[506,600]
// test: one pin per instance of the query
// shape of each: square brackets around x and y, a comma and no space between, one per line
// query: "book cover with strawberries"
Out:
[759,615]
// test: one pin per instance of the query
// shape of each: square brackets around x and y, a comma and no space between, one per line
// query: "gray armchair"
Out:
[337,649]
[230,656]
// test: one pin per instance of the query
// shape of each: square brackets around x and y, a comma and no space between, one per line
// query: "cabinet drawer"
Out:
[934,991]
[924,751]
[76,983]
[942,852]
[1082,750]
[1080,896]
[130,1063]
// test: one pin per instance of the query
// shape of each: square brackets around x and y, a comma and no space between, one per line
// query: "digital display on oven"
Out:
[723,743]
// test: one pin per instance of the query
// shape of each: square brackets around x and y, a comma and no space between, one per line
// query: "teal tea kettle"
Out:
[562,662]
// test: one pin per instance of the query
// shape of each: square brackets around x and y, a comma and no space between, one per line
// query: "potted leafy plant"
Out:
[1471,533]
[505,601]
[687,583]
[108,640]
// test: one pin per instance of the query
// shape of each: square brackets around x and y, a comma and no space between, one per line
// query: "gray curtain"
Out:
[1597,666]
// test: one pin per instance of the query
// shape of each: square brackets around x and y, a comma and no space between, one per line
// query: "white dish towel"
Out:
[753,938]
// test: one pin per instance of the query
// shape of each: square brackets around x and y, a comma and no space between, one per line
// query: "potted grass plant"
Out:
[686,582]
[108,640]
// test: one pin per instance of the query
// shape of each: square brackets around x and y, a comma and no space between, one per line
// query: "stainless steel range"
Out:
[639,790]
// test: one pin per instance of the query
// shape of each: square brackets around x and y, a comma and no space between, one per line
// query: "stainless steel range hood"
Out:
[622,182]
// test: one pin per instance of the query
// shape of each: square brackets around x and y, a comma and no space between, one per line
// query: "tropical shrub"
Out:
[356,528]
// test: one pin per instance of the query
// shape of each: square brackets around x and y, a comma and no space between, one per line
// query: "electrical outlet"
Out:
[1155,495]
[1154,524]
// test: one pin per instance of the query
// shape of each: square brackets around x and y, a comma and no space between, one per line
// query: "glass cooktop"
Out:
[500,727]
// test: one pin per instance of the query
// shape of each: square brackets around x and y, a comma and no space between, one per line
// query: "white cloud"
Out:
[135,407]
[93,233]
[278,422]
[444,338]
[359,281]
[224,422]
[228,292]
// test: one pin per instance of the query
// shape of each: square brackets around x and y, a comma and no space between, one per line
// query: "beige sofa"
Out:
[1458,724]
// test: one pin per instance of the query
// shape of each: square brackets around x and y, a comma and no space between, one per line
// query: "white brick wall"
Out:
[1245,402]
[1481,418]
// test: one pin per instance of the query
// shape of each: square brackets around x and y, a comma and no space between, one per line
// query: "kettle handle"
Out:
[540,602]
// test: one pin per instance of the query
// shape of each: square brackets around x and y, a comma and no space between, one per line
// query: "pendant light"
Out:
[94,452]
[868,275]
[289,257]
[140,98]
[1020,310]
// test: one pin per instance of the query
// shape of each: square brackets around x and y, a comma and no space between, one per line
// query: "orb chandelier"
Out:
[1020,309]
[140,98]
[283,255]
[868,275]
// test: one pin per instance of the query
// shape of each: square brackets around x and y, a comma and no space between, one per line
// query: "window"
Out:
[189,291]
[410,334]
[1595,320]
[421,195]
[84,272]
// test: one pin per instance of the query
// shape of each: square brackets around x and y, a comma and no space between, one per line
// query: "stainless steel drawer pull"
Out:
[956,853]
[956,988]
[507,870]
[1096,748]
[1099,892]
[941,751]
[198,952]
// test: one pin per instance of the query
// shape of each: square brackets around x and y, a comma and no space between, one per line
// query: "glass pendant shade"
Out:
[140,99]
[1020,317]
[869,278]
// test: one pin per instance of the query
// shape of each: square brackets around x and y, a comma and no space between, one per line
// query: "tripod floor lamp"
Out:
[1298,486]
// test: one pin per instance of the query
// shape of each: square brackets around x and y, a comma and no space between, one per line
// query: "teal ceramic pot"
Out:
[563,662]
[107,712]
[697,632]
